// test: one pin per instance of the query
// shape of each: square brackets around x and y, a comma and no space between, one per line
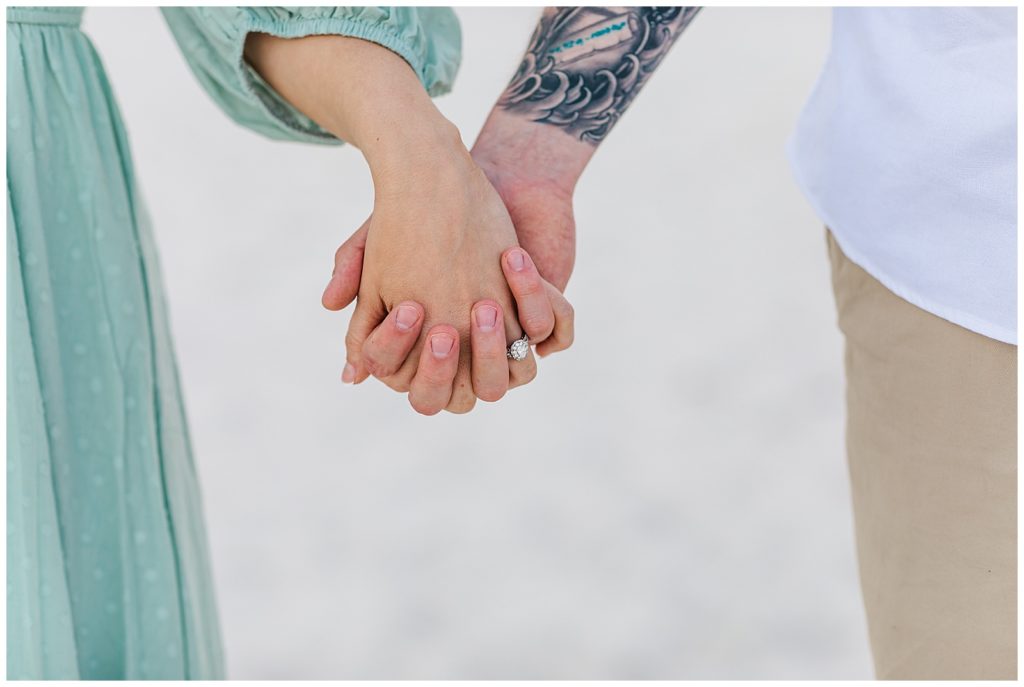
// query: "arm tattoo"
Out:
[586,64]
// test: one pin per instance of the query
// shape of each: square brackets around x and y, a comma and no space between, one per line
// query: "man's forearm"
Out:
[585,65]
[583,68]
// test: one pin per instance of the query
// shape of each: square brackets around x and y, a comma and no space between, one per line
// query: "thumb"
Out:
[348,268]
[365,319]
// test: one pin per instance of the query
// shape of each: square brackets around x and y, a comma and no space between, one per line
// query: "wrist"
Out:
[361,92]
[421,145]
[517,153]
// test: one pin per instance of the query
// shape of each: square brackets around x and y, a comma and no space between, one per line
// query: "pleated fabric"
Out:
[105,531]
[108,573]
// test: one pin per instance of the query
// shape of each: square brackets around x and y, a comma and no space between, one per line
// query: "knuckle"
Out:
[562,341]
[432,381]
[569,312]
[375,366]
[352,342]
[433,377]
[424,406]
[370,364]
[529,286]
[538,323]
[489,393]
[396,383]
[461,403]
[558,345]
[529,372]
[525,375]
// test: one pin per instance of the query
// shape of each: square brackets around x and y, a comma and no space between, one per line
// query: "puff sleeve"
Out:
[212,40]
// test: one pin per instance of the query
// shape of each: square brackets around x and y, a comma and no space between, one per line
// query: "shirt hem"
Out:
[953,315]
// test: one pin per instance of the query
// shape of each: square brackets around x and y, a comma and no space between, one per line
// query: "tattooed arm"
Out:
[586,64]
[583,68]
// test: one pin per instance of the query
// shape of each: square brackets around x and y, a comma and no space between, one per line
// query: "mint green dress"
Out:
[108,573]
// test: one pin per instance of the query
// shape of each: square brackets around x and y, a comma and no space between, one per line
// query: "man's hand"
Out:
[581,70]
[435,238]
[562,102]
[434,244]
[534,169]
[457,264]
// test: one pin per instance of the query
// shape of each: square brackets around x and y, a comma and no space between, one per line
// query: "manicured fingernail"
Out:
[486,317]
[406,317]
[348,375]
[517,260]
[441,345]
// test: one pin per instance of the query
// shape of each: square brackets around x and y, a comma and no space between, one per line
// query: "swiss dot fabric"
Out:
[107,568]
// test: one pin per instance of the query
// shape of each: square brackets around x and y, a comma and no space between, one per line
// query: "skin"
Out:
[585,65]
[534,169]
[534,156]
[435,306]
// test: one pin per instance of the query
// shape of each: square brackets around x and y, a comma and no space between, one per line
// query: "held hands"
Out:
[439,251]
[442,287]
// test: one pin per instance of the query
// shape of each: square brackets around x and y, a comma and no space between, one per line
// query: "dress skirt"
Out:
[107,568]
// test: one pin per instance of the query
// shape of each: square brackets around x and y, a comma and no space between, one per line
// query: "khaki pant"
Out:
[932,449]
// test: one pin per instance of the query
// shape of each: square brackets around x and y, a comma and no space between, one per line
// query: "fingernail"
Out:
[406,317]
[441,345]
[348,375]
[517,260]
[486,317]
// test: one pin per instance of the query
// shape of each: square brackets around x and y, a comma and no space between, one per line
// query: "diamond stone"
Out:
[519,349]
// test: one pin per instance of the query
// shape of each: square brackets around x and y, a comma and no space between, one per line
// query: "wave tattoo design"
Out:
[586,64]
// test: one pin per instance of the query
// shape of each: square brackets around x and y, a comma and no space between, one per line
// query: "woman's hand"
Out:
[437,259]
[436,235]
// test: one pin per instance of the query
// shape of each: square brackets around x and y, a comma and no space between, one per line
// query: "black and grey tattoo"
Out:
[586,64]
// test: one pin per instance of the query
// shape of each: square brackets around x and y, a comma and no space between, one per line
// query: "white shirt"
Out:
[907,149]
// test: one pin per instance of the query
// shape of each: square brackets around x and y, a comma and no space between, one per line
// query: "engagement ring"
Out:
[519,348]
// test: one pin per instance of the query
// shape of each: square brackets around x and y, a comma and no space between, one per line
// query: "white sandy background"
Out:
[668,500]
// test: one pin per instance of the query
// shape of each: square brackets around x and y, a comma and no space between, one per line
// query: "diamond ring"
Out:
[519,348]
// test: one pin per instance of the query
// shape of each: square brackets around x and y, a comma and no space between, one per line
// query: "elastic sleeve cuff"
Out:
[299,125]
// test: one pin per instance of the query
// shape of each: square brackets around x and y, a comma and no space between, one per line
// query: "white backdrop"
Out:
[676,507]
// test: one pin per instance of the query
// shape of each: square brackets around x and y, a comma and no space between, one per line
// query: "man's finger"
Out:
[348,269]
[364,320]
[431,388]
[564,332]
[389,344]
[534,310]
[489,366]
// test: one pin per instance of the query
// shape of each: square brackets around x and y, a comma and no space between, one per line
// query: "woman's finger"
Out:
[348,269]
[534,309]
[389,344]
[565,323]
[368,314]
[524,371]
[521,372]
[489,367]
[431,388]
[463,400]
